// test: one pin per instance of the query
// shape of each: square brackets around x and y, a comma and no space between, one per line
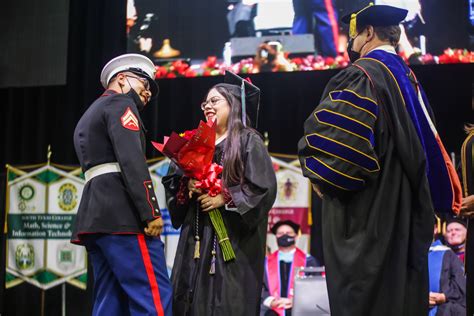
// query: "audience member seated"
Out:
[447,282]
[280,267]
[456,232]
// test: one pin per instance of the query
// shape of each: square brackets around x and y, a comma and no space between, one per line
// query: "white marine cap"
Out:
[135,63]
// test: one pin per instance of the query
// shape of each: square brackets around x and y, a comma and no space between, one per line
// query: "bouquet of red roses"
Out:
[193,151]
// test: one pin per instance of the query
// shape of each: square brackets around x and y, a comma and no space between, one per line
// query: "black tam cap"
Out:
[292,224]
[375,15]
[456,220]
[250,96]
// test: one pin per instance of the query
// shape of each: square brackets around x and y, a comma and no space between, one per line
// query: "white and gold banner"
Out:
[293,202]
[42,203]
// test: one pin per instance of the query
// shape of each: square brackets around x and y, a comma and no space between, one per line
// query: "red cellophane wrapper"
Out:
[193,151]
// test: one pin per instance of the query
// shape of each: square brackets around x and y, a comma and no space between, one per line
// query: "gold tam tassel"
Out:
[353,22]
[353,26]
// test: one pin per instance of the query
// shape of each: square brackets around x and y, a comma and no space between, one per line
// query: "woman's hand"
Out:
[192,187]
[209,203]
[467,207]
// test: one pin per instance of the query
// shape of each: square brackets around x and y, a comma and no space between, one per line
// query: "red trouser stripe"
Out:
[332,18]
[151,275]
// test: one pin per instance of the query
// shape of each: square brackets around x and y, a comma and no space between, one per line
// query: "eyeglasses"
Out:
[145,82]
[212,101]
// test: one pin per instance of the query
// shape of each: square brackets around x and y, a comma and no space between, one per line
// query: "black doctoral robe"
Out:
[361,147]
[467,158]
[236,286]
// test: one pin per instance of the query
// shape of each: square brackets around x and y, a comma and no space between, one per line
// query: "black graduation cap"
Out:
[456,220]
[375,15]
[292,224]
[250,96]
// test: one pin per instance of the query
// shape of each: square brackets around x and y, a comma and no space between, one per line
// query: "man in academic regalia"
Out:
[280,267]
[455,236]
[372,152]
[447,282]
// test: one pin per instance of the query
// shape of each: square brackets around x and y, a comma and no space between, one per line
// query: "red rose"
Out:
[190,73]
[211,61]
[329,61]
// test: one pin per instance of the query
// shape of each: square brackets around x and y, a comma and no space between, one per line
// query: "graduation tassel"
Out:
[212,270]
[197,245]
[244,106]
[197,248]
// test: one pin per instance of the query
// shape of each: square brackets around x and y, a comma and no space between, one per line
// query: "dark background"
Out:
[31,118]
[199,28]
[33,37]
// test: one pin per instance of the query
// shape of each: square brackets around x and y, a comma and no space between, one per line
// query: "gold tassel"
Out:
[197,249]
[353,22]
[353,26]
[438,224]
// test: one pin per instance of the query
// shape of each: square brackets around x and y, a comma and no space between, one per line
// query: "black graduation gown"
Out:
[453,284]
[361,147]
[235,289]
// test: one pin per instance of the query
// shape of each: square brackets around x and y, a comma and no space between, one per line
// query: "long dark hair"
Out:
[233,172]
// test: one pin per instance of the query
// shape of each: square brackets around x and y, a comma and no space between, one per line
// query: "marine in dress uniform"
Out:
[318,17]
[119,220]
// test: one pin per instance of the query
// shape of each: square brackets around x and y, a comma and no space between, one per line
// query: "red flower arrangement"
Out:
[212,67]
[193,151]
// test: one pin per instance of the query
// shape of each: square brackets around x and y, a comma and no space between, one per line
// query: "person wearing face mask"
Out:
[119,219]
[280,266]
[372,152]
[203,283]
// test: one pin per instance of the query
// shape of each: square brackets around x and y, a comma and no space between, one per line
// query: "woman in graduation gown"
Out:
[203,283]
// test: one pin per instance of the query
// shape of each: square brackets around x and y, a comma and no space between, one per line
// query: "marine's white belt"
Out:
[101,169]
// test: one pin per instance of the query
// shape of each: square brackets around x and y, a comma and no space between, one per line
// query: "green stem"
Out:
[221,231]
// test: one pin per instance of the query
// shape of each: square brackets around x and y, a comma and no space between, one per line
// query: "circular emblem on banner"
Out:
[26,192]
[25,256]
[65,256]
[22,206]
[67,197]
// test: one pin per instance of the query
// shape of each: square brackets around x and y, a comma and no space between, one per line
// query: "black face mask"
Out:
[136,98]
[353,56]
[286,241]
